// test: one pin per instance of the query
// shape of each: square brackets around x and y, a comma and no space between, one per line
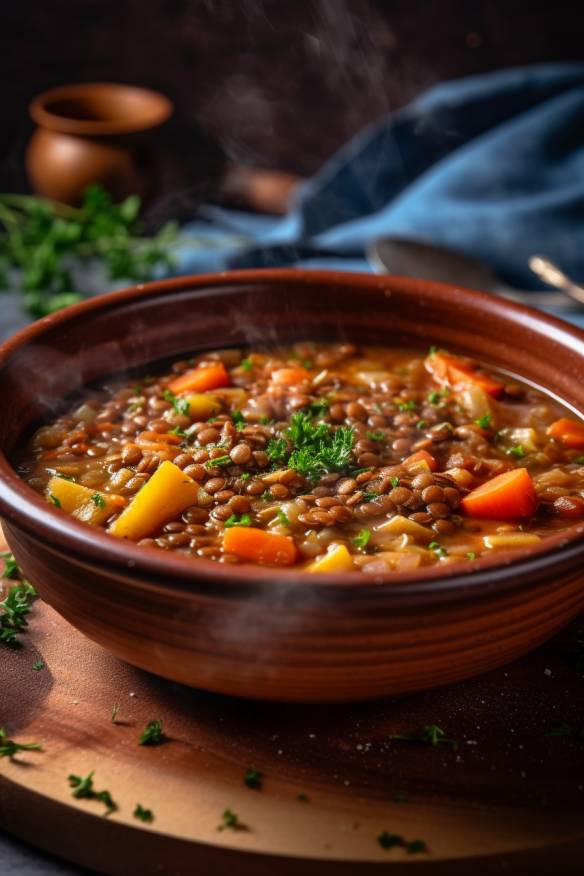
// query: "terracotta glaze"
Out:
[279,634]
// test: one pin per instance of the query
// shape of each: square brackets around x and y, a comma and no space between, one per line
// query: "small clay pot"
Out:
[94,133]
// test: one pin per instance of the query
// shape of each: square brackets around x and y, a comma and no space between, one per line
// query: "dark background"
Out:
[273,83]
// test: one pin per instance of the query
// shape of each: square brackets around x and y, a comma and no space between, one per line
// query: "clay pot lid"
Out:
[97,108]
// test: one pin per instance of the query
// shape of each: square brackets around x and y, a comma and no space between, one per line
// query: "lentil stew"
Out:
[322,457]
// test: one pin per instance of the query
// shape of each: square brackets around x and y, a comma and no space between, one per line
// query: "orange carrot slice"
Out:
[455,372]
[568,432]
[260,546]
[163,438]
[289,376]
[421,456]
[505,497]
[201,379]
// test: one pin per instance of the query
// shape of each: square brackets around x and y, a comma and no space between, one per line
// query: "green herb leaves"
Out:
[234,520]
[181,405]
[431,734]
[98,500]
[145,815]
[485,421]
[362,539]
[253,779]
[83,789]
[152,734]
[11,567]
[8,748]
[41,239]
[389,841]
[231,821]
[13,611]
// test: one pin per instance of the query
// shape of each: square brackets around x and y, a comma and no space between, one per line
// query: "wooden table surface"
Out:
[509,799]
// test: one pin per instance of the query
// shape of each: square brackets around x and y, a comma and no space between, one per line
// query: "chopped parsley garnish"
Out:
[282,517]
[8,748]
[376,436]
[135,406]
[152,734]
[370,495]
[394,482]
[219,460]
[40,664]
[83,789]
[393,840]
[56,502]
[266,496]
[318,449]
[137,390]
[318,408]
[434,397]
[231,821]
[303,798]
[245,476]
[145,815]
[238,420]
[518,451]
[13,611]
[115,711]
[407,406]
[11,567]
[471,555]
[246,364]
[485,421]
[265,420]
[431,734]
[421,424]
[176,430]
[234,520]
[253,778]
[276,450]
[98,500]
[437,548]
[180,405]
[362,539]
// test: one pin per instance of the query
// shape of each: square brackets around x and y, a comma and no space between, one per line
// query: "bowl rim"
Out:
[156,109]
[24,507]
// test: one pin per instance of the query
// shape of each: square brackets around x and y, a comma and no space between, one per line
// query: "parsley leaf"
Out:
[437,548]
[485,421]
[11,567]
[181,405]
[376,436]
[471,555]
[56,502]
[431,734]
[38,665]
[83,789]
[239,420]
[282,517]
[276,450]
[219,460]
[407,406]
[394,482]
[145,815]
[231,821]
[253,778]
[8,748]
[98,500]
[518,451]
[234,520]
[362,539]
[152,734]
[246,364]
[14,609]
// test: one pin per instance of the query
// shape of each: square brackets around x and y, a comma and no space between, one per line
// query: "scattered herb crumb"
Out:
[98,500]
[115,710]
[40,664]
[484,422]
[152,734]
[234,520]
[8,748]
[247,364]
[83,789]
[11,567]
[56,502]
[231,821]
[145,815]
[253,778]
[431,734]
[13,611]
[394,840]
[362,539]
[471,555]
[282,517]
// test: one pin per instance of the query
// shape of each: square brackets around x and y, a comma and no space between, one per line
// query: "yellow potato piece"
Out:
[338,559]
[399,524]
[511,540]
[202,406]
[90,506]
[168,492]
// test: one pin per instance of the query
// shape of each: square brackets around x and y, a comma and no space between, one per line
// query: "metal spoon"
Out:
[412,258]
[551,274]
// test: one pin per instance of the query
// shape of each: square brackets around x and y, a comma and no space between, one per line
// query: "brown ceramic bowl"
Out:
[271,633]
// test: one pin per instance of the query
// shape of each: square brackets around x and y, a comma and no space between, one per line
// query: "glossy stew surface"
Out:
[320,457]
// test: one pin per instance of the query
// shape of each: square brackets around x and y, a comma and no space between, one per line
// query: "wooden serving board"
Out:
[510,799]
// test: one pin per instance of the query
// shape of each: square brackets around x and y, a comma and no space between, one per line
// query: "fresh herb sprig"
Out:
[8,748]
[44,239]
[83,789]
[431,734]
[13,611]
[152,734]
[389,841]
[253,778]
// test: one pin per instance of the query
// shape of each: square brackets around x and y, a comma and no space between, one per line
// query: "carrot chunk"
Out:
[457,373]
[164,438]
[201,379]
[568,432]
[505,497]
[259,546]
[421,456]
[289,376]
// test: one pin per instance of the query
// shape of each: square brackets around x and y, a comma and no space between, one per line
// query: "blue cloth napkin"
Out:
[492,166]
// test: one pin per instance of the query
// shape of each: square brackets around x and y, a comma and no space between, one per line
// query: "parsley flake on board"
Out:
[431,734]
[152,734]
[11,567]
[115,710]
[389,841]
[8,748]
[40,664]
[231,821]
[145,815]
[13,611]
[83,789]
[253,778]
